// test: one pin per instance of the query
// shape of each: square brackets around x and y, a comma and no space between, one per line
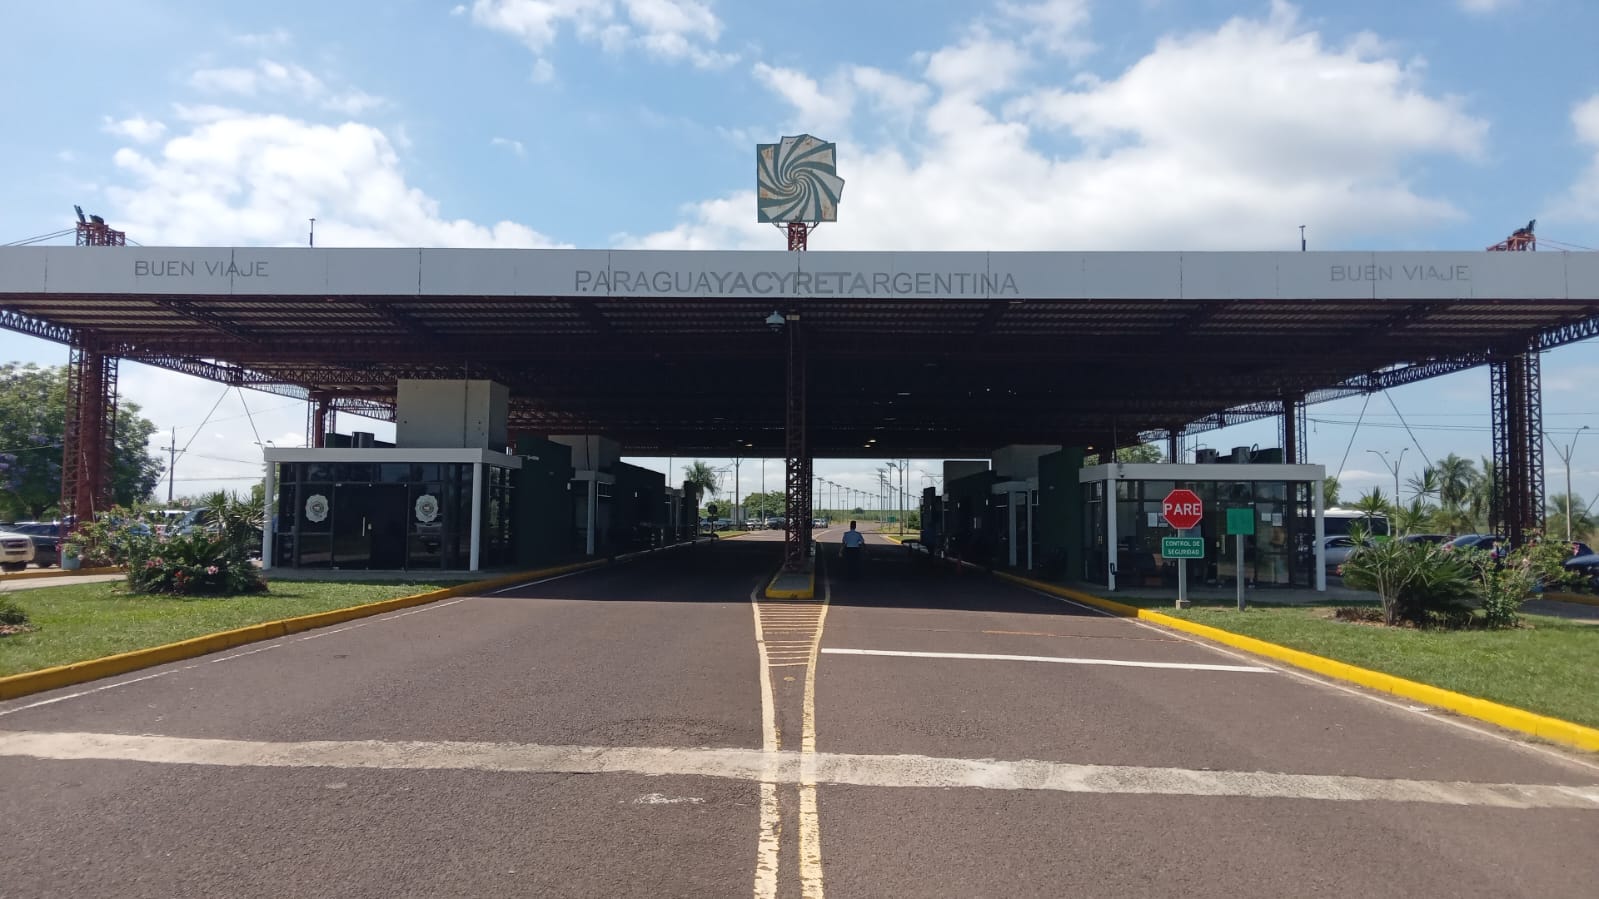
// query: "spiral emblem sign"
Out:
[796,180]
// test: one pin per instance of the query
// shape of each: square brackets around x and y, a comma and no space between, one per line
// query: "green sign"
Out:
[1241,521]
[1182,547]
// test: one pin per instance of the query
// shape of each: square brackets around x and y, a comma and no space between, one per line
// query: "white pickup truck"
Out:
[16,551]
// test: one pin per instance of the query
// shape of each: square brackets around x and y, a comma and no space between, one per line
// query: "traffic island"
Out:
[792,584]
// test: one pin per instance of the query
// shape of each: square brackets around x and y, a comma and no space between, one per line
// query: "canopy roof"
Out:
[930,354]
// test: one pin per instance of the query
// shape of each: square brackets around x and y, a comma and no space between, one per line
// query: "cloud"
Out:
[277,37]
[515,146]
[1484,7]
[1582,201]
[1057,25]
[1228,138]
[670,30]
[238,178]
[270,77]
[137,129]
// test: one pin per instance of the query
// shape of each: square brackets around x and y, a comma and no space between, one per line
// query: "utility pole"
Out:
[172,464]
[1566,458]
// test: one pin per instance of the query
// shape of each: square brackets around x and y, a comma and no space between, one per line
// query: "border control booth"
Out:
[1122,525]
[449,495]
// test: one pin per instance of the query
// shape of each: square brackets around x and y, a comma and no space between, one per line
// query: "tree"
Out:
[702,478]
[1329,492]
[1144,453]
[1373,503]
[33,411]
[759,505]
[1583,521]
[1424,485]
[1456,476]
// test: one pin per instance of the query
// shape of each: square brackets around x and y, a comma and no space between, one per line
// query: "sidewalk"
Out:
[66,580]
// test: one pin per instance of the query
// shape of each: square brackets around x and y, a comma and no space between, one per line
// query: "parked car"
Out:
[16,551]
[1586,564]
[774,523]
[1493,544]
[1426,538]
[46,537]
[1337,551]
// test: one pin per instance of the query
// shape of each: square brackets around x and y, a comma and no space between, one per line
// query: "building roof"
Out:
[909,353]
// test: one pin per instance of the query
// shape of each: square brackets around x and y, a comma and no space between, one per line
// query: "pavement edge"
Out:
[1578,598]
[29,682]
[1554,730]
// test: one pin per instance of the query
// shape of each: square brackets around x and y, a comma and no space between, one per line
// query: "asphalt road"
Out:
[622,733]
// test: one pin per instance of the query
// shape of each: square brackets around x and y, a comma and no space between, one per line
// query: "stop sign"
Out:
[1182,509]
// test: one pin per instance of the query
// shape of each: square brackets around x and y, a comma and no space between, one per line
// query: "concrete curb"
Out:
[30,682]
[1554,730]
[58,572]
[773,592]
[1578,598]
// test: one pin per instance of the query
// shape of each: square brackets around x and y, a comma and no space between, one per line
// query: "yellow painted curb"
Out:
[809,592]
[1579,598]
[58,572]
[1551,729]
[93,669]
[898,540]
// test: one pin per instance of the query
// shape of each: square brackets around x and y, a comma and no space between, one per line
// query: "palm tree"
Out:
[1455,478]
[1583,521]
[1424,485]
[1410,519]
[1373,503]
[1480,499]
[702,478]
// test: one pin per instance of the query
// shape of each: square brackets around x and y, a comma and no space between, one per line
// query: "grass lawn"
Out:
[87,621]
[1549,665]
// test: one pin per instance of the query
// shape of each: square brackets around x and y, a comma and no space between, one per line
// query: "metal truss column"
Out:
[1518,487]
[797,468]
[1291,430]
[1174,447]
[317,421]
[88,435]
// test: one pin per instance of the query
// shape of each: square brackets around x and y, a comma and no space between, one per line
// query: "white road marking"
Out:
[662,799]
[1118,663]
[279,641]
[787,767]
[771,826]
[1427,712]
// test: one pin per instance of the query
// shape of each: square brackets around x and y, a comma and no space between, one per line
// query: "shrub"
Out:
[11,613]
[1506,583]
[1419,583]
[194,564]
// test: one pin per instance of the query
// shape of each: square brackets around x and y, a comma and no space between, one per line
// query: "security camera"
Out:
[775,321]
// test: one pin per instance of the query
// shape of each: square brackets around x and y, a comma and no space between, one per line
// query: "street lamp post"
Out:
[1394,467]
[1566,458]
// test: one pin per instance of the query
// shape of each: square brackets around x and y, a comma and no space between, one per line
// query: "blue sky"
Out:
[1068,124]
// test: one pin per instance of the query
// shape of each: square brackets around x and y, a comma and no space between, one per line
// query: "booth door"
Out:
[369,526]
